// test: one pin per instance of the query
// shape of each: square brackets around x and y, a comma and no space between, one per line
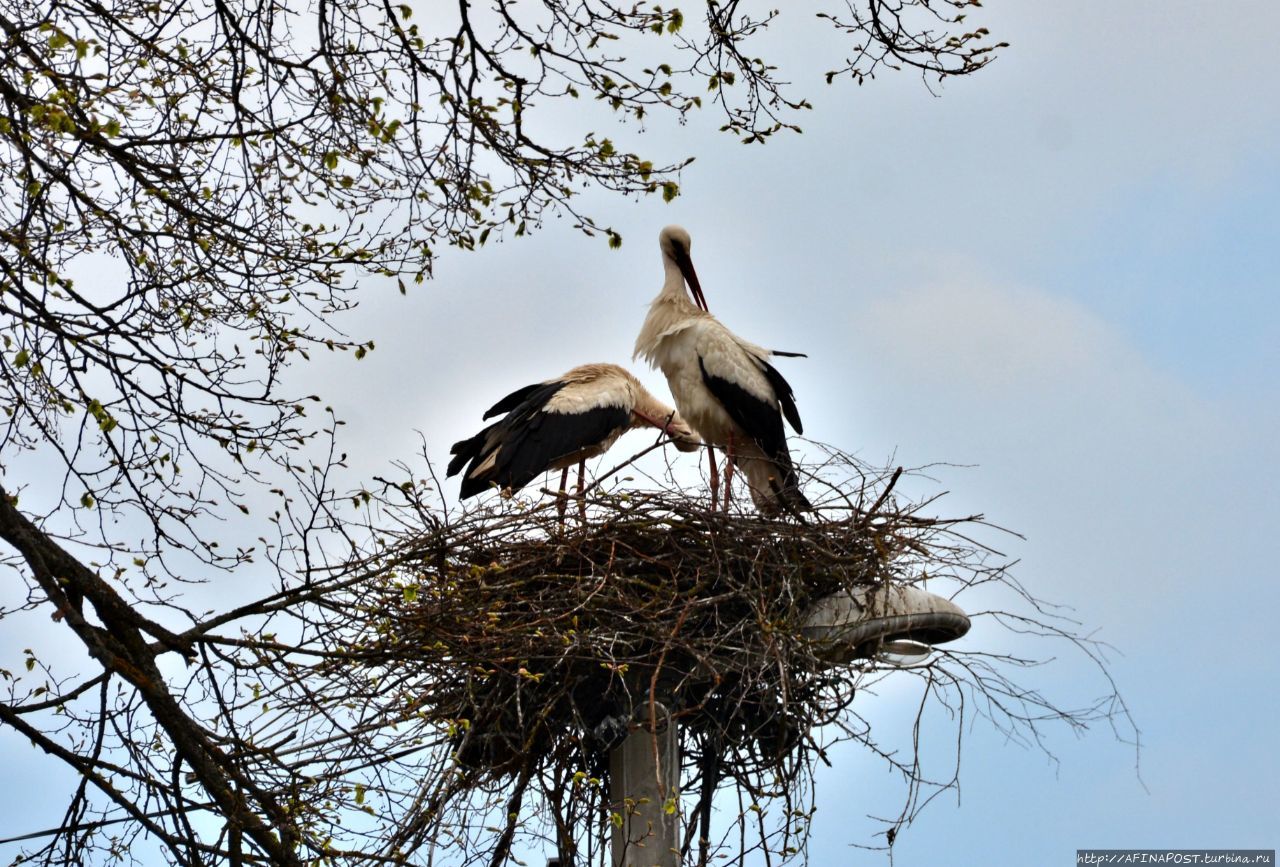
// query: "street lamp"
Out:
[891,623]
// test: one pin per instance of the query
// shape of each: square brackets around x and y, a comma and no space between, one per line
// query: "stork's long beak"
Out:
[685,439]
[691,277]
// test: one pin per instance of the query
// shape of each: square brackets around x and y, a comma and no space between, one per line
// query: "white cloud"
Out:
[1116,471]
[1002,360]
[991,342]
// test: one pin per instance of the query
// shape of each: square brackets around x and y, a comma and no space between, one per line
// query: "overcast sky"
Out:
[1060,273]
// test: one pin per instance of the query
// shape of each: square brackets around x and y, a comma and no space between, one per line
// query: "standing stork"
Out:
[723,385]
[555,424]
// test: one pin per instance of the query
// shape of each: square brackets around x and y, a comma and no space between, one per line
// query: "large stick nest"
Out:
[535,642]
[486,660]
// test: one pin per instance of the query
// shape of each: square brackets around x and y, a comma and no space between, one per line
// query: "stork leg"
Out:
[582,498]
[728,472]
[715,478]
[562,501]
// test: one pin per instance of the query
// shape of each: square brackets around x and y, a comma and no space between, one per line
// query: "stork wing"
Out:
[725,356]
[550,437]
[538,431]
[758,417]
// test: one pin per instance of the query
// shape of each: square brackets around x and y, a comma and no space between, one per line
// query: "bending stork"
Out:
[555,424]
[723,385]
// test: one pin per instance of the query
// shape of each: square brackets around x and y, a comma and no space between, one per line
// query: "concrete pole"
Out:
[644,772]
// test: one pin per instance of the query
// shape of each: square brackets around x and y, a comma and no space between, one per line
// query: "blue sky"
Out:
[1060,273]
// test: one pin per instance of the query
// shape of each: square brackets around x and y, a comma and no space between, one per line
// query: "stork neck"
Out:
[673,285]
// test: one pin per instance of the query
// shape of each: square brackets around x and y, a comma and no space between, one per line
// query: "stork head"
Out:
[683,436]
[675,244]
[651,411]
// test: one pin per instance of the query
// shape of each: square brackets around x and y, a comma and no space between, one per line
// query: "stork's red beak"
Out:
[691,277]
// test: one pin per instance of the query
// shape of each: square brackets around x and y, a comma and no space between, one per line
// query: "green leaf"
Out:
[21,359]
[106,422]
[670,189]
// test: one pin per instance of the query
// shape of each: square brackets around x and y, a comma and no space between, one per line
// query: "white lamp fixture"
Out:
[895,624]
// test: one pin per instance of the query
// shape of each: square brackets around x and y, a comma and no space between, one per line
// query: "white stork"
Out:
[723,385]
[555,424]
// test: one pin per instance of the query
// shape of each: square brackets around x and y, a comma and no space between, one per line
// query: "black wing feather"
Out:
[519,396]
[785,396]
[465,450]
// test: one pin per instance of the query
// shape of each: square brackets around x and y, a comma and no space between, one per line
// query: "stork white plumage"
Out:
[724,386]
[555,424]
